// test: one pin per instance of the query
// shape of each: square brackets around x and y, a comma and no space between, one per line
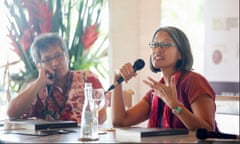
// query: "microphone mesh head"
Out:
[138,64]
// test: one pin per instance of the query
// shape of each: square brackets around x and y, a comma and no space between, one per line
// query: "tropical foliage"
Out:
[77,21]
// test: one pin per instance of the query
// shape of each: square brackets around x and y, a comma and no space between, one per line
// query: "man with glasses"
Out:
[57,93]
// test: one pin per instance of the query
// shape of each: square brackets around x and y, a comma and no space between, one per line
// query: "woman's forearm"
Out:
[192,122]
[118,109]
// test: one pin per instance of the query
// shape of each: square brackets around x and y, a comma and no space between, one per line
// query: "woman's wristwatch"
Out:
[178,109]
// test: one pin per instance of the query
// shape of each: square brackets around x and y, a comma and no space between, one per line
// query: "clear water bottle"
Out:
[89,121]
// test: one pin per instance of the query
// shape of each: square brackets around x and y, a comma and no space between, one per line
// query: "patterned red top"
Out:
[190,85]
[55,103]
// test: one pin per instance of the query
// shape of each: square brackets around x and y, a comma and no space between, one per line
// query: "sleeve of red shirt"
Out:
[197,85]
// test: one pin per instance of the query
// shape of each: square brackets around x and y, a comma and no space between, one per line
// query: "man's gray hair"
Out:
[45,42]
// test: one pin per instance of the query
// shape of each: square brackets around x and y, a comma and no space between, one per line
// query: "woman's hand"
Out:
[167,93]
[126,71]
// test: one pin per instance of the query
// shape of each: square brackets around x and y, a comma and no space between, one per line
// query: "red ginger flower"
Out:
[40,21]
[46,16]
[40,16]
[90,36]
[26,39]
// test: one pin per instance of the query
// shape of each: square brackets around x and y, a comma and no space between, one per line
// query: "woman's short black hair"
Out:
[183,46]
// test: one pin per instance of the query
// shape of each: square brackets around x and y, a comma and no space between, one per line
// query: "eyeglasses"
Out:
[161,44]
[58,57]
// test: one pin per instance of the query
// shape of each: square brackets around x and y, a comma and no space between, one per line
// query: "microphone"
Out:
[203,133]
[51,76]
[138,65]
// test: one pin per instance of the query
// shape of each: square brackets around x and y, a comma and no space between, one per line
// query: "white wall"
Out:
[222,35]
[132,23]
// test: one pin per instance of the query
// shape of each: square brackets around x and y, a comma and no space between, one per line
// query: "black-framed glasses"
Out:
[58,57]
[161,44]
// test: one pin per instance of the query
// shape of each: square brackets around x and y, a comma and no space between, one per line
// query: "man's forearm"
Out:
[21,102]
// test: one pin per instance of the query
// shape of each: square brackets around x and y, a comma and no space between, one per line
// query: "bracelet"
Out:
[177,110]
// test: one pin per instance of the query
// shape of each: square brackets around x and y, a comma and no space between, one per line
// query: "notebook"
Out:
[39,124]
[43,132]
[136,133]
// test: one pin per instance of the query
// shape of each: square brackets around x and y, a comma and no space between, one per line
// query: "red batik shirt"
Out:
[55,103]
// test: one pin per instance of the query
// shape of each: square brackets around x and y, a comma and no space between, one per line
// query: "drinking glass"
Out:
[98,99]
